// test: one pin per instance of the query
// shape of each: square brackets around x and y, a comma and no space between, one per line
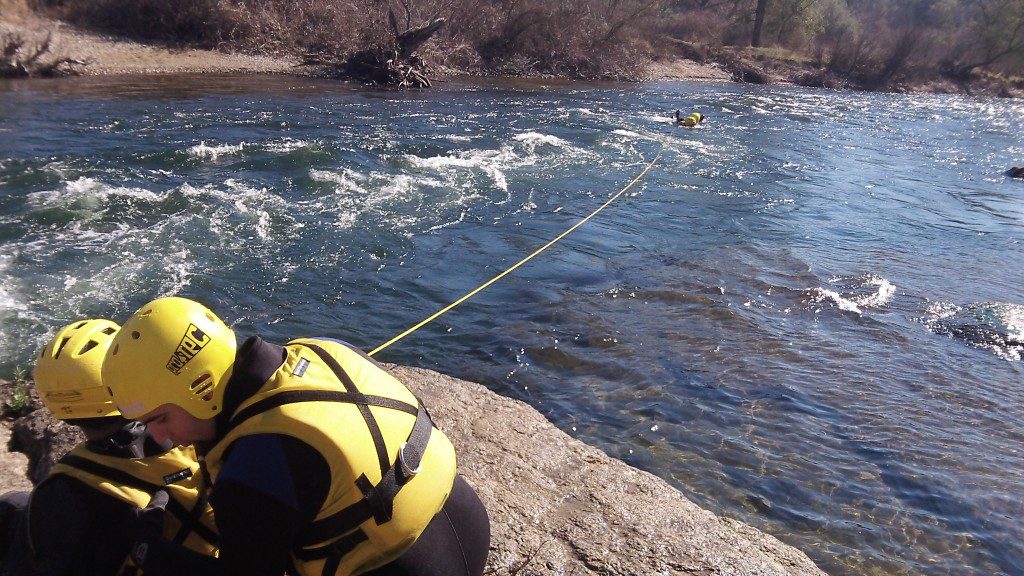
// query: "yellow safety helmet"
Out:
[171,351]
[67,372]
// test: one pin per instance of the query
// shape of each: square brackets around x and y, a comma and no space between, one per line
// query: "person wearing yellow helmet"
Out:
[319,461]
[694,119]
[83,517]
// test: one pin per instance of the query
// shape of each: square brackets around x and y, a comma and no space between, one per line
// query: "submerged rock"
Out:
[989,324]
[557,506]
[1016,172]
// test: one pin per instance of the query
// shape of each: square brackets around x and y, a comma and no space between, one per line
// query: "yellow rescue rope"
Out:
[520,263]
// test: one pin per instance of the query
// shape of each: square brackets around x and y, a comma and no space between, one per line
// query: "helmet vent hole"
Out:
[60,347]
[116,348]
[203,387]
[146,313]
[80,324]
[211,317]
[136,335]
[88,346]
[109,391]
[108,330]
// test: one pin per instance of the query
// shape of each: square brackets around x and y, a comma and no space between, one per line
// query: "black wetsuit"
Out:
[271,486]
[74,529]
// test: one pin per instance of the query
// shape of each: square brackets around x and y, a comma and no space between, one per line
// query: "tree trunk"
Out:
[762,6]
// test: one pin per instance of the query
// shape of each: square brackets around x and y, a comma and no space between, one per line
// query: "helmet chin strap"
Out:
[129,442]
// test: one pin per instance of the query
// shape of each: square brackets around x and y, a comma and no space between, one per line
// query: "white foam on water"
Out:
[400,187]
[882,293]
[493,163]
[346,180]
[627,133]
[882,296]
[179,266]
[941,310]
[201,150]
[256,204]
[88,194]
[536,139]
[825,295]
[457,138]
[385,195]
[287,145]
[59,168]
[252,202]
[8,301]
[706,150]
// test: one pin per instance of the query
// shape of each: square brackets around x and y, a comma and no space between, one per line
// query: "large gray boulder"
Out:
[557,506]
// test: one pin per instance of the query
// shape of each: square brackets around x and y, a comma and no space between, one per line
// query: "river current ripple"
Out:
[766,320]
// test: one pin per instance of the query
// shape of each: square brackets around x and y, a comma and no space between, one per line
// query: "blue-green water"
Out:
[759,321]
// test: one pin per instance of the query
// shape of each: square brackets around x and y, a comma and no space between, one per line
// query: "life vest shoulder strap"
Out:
[188,519]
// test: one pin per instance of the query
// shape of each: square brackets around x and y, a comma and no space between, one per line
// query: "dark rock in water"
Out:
[993,324]
[757,503]
[1016,172]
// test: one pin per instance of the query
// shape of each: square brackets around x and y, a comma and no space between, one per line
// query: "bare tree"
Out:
[998,33]
[762,7]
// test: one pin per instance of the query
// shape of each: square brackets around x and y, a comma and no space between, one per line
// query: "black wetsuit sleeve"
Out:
[269,489]
[76,530]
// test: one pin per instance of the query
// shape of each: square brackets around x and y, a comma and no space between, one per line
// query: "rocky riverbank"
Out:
[557,506]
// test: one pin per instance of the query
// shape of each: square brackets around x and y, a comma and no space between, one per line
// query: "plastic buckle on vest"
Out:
[406,470]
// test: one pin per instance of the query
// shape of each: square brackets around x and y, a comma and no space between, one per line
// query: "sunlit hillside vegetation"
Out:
[862,43]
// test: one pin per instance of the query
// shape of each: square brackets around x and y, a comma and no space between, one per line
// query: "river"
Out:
[763,320]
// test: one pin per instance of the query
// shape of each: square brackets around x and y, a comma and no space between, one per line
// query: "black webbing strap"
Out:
[194,519]
[295,396]
[377,499]
[120,477]
[339,547]
[364,409]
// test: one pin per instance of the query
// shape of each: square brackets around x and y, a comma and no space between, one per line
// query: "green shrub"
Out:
[20,401]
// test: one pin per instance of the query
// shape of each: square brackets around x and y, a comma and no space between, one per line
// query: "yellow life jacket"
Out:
[188,520]
[391,470]
[691,120]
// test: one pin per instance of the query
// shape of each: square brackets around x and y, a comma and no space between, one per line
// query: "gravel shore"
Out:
[106,55]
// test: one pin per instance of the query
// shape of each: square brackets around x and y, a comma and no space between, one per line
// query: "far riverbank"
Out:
[104,55]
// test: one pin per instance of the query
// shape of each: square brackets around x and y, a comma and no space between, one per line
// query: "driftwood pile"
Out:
[396,65]
[19,59]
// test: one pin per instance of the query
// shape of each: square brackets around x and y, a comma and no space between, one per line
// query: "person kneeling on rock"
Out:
[83,517]
[320,462]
